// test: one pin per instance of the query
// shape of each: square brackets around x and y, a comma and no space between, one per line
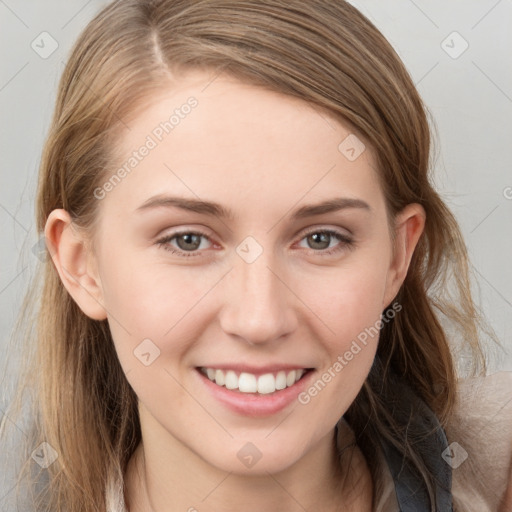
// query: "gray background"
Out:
[469,95]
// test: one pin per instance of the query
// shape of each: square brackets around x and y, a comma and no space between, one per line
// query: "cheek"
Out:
[149,296]
[347,299]
[351,308]
[151,301]
[349,303]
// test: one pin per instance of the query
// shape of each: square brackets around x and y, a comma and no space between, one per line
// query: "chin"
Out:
[256,458]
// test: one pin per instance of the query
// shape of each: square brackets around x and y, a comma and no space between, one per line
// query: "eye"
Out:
[188,242]
[320,241]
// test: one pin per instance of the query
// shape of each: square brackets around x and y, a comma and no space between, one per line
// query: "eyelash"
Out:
[346,242]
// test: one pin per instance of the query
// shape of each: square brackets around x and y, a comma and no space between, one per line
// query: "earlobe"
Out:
[409,226]
[71,257]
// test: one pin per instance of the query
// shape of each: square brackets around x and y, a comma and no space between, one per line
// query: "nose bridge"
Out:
[259,284]
[257,305]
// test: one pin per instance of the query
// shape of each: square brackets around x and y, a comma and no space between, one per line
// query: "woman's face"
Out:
[249,238]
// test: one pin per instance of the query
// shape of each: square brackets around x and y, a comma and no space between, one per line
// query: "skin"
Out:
[506,502]
[262,155]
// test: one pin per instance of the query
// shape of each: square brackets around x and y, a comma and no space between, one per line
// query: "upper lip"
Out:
[257,370]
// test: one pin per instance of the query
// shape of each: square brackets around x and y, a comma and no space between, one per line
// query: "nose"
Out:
[257,305]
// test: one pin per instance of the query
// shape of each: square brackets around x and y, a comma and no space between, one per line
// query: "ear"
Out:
[409,225]
[75,263]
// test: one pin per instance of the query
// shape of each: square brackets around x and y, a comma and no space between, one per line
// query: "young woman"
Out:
[252,280]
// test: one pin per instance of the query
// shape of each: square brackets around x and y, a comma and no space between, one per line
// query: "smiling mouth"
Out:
[244,382]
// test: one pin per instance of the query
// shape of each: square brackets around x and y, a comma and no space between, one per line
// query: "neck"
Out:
[326,478]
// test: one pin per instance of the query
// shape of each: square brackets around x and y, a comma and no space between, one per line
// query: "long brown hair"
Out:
[322,51]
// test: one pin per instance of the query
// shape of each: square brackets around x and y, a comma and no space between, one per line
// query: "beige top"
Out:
[482,429]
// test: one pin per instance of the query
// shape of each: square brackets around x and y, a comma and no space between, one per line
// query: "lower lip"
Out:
[255,404]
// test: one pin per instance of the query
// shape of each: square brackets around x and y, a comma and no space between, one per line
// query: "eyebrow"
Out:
[217,210]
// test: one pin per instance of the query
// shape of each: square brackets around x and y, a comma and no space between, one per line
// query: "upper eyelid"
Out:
[302,234]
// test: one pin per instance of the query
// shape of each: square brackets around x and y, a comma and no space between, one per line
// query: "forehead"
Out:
[214,136]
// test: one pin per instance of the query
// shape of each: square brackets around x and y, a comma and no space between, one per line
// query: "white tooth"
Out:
[266,383]
[247,383]
[290,378]
[219,377]
[280,380]
[231,380]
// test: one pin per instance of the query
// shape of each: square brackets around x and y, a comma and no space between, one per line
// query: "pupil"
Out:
[189,238]
[320,238]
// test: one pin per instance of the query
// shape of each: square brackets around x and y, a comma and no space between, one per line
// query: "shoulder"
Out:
[480,437]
